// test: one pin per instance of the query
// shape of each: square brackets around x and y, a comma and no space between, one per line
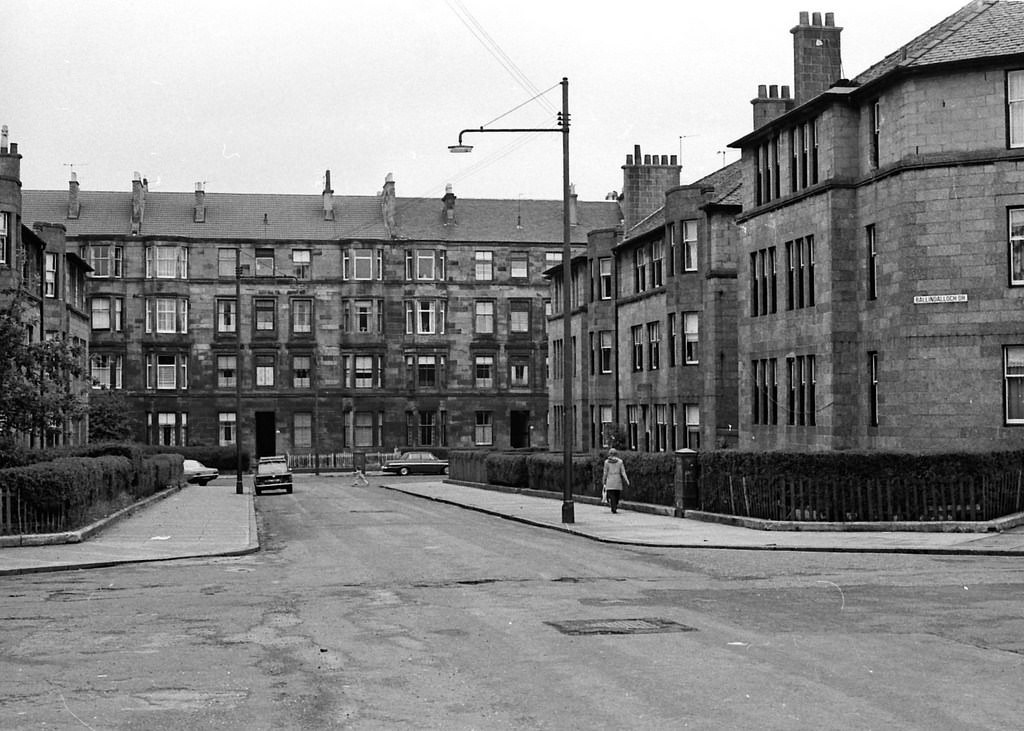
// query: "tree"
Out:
[37,378]
[108,420]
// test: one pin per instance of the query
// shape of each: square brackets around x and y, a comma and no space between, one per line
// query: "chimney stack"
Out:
[328,197]
[387,203]
[74,207]
[449,205]
[573,207]
[139,187]
[770,104]
[199,209]
[644,184]
[817,62]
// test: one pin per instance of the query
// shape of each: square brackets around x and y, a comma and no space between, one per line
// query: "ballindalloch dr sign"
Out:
[934,299]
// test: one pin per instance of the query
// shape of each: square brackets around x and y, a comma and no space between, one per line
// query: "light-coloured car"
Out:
[199,474]
[426,463]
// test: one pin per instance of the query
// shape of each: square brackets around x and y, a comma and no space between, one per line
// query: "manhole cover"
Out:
[646,625]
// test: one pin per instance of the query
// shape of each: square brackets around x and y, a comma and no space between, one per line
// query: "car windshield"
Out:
[272,468]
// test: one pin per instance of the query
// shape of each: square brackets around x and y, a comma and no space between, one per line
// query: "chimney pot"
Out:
[636,153]
[647,159]
[74,207]
[804,18]
[762,91]
[830,19]
[773,91]
[673,160]
[629,159]
[785,92]
[815,18]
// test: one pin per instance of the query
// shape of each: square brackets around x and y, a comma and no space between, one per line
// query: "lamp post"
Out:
[567,350]
[238,372]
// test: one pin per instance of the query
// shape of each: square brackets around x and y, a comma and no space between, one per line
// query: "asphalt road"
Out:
[369,609]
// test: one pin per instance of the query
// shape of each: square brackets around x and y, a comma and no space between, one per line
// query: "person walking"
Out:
[614,479]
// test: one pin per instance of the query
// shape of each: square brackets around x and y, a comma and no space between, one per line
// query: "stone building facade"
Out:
[311,324]
[881,266]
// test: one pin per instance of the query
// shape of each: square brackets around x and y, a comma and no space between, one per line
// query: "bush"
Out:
[508,469]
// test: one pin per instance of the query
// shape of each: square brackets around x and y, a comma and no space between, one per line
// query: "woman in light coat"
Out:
[614,479]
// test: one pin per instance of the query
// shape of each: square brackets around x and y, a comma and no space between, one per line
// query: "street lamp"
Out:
[567,350]
[238,372]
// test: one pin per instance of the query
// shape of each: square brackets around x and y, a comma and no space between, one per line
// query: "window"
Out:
[607,425]
[519,265]
[426,369]
[660,427]
[552,258]
[483,373]
[692,416]
[484,317]
[301,259]
[424,264]
[365,371]
[484,432]
[226,261]
[106,371]
[876,126]
[800,401]
[265,311]
[49,274]
[637,332]
[657,260]
[359,264]
[653,345]
[171,429]
[362,429]
[633,426]
[484,266]
[605,266]
[1016,246]
[800,273]
[302,430]
[672,354]
[762,282]
[227,371]
[428,428]
[166,315]
[556,360]
[166,371]
[605,358]
[1013,379]
[640,269]
[265,263]
[691,338]
[424,317]
[301,371]
[5,228]
[673,248]
[364,315]
[107,313]
[873,388]
[226,428]
[106,261]
[302,316]
[519,371]
[265,371]
[764,402]
[873,263]
[690,245]
[519,316]
[227,316]
[167,262]
[1015,104]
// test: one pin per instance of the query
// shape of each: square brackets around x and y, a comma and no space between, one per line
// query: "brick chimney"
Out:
[74,207]
[387,203]
[817,63]
[574,216]
[770,104]
[448,215]
[10,175]
[139,187]
[644,184]
[328,197]
[199,209]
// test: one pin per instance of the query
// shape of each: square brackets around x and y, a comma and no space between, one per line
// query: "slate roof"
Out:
[980,29]
[300,217]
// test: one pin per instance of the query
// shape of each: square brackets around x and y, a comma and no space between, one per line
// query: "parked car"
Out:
[199,474]
[272,473]
[425,463]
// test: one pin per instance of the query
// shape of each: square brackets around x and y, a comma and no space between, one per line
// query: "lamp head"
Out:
[460,148]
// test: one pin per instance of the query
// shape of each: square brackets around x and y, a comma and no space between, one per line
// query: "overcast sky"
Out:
[255,97]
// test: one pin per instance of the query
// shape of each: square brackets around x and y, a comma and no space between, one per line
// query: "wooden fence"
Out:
[971,498]
[337,461]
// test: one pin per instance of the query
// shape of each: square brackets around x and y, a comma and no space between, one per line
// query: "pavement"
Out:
[212,520]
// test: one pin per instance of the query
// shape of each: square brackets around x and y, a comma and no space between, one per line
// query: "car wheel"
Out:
[257,492]
[444,471]
[288,490]
[404,471]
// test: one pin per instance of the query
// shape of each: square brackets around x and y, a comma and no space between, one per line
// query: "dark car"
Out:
[272,473]
[197,473]
[424,463]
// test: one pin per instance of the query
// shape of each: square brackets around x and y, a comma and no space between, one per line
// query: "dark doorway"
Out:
[266,433]
[519,429]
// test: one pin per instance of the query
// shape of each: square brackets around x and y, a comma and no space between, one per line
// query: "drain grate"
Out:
[640,626]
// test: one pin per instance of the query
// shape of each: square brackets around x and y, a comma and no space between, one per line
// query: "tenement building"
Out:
[310,324]
[881,266]
[653,316]
[42,280]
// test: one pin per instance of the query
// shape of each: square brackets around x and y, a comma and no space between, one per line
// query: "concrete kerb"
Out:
[82,534]
[997,525]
